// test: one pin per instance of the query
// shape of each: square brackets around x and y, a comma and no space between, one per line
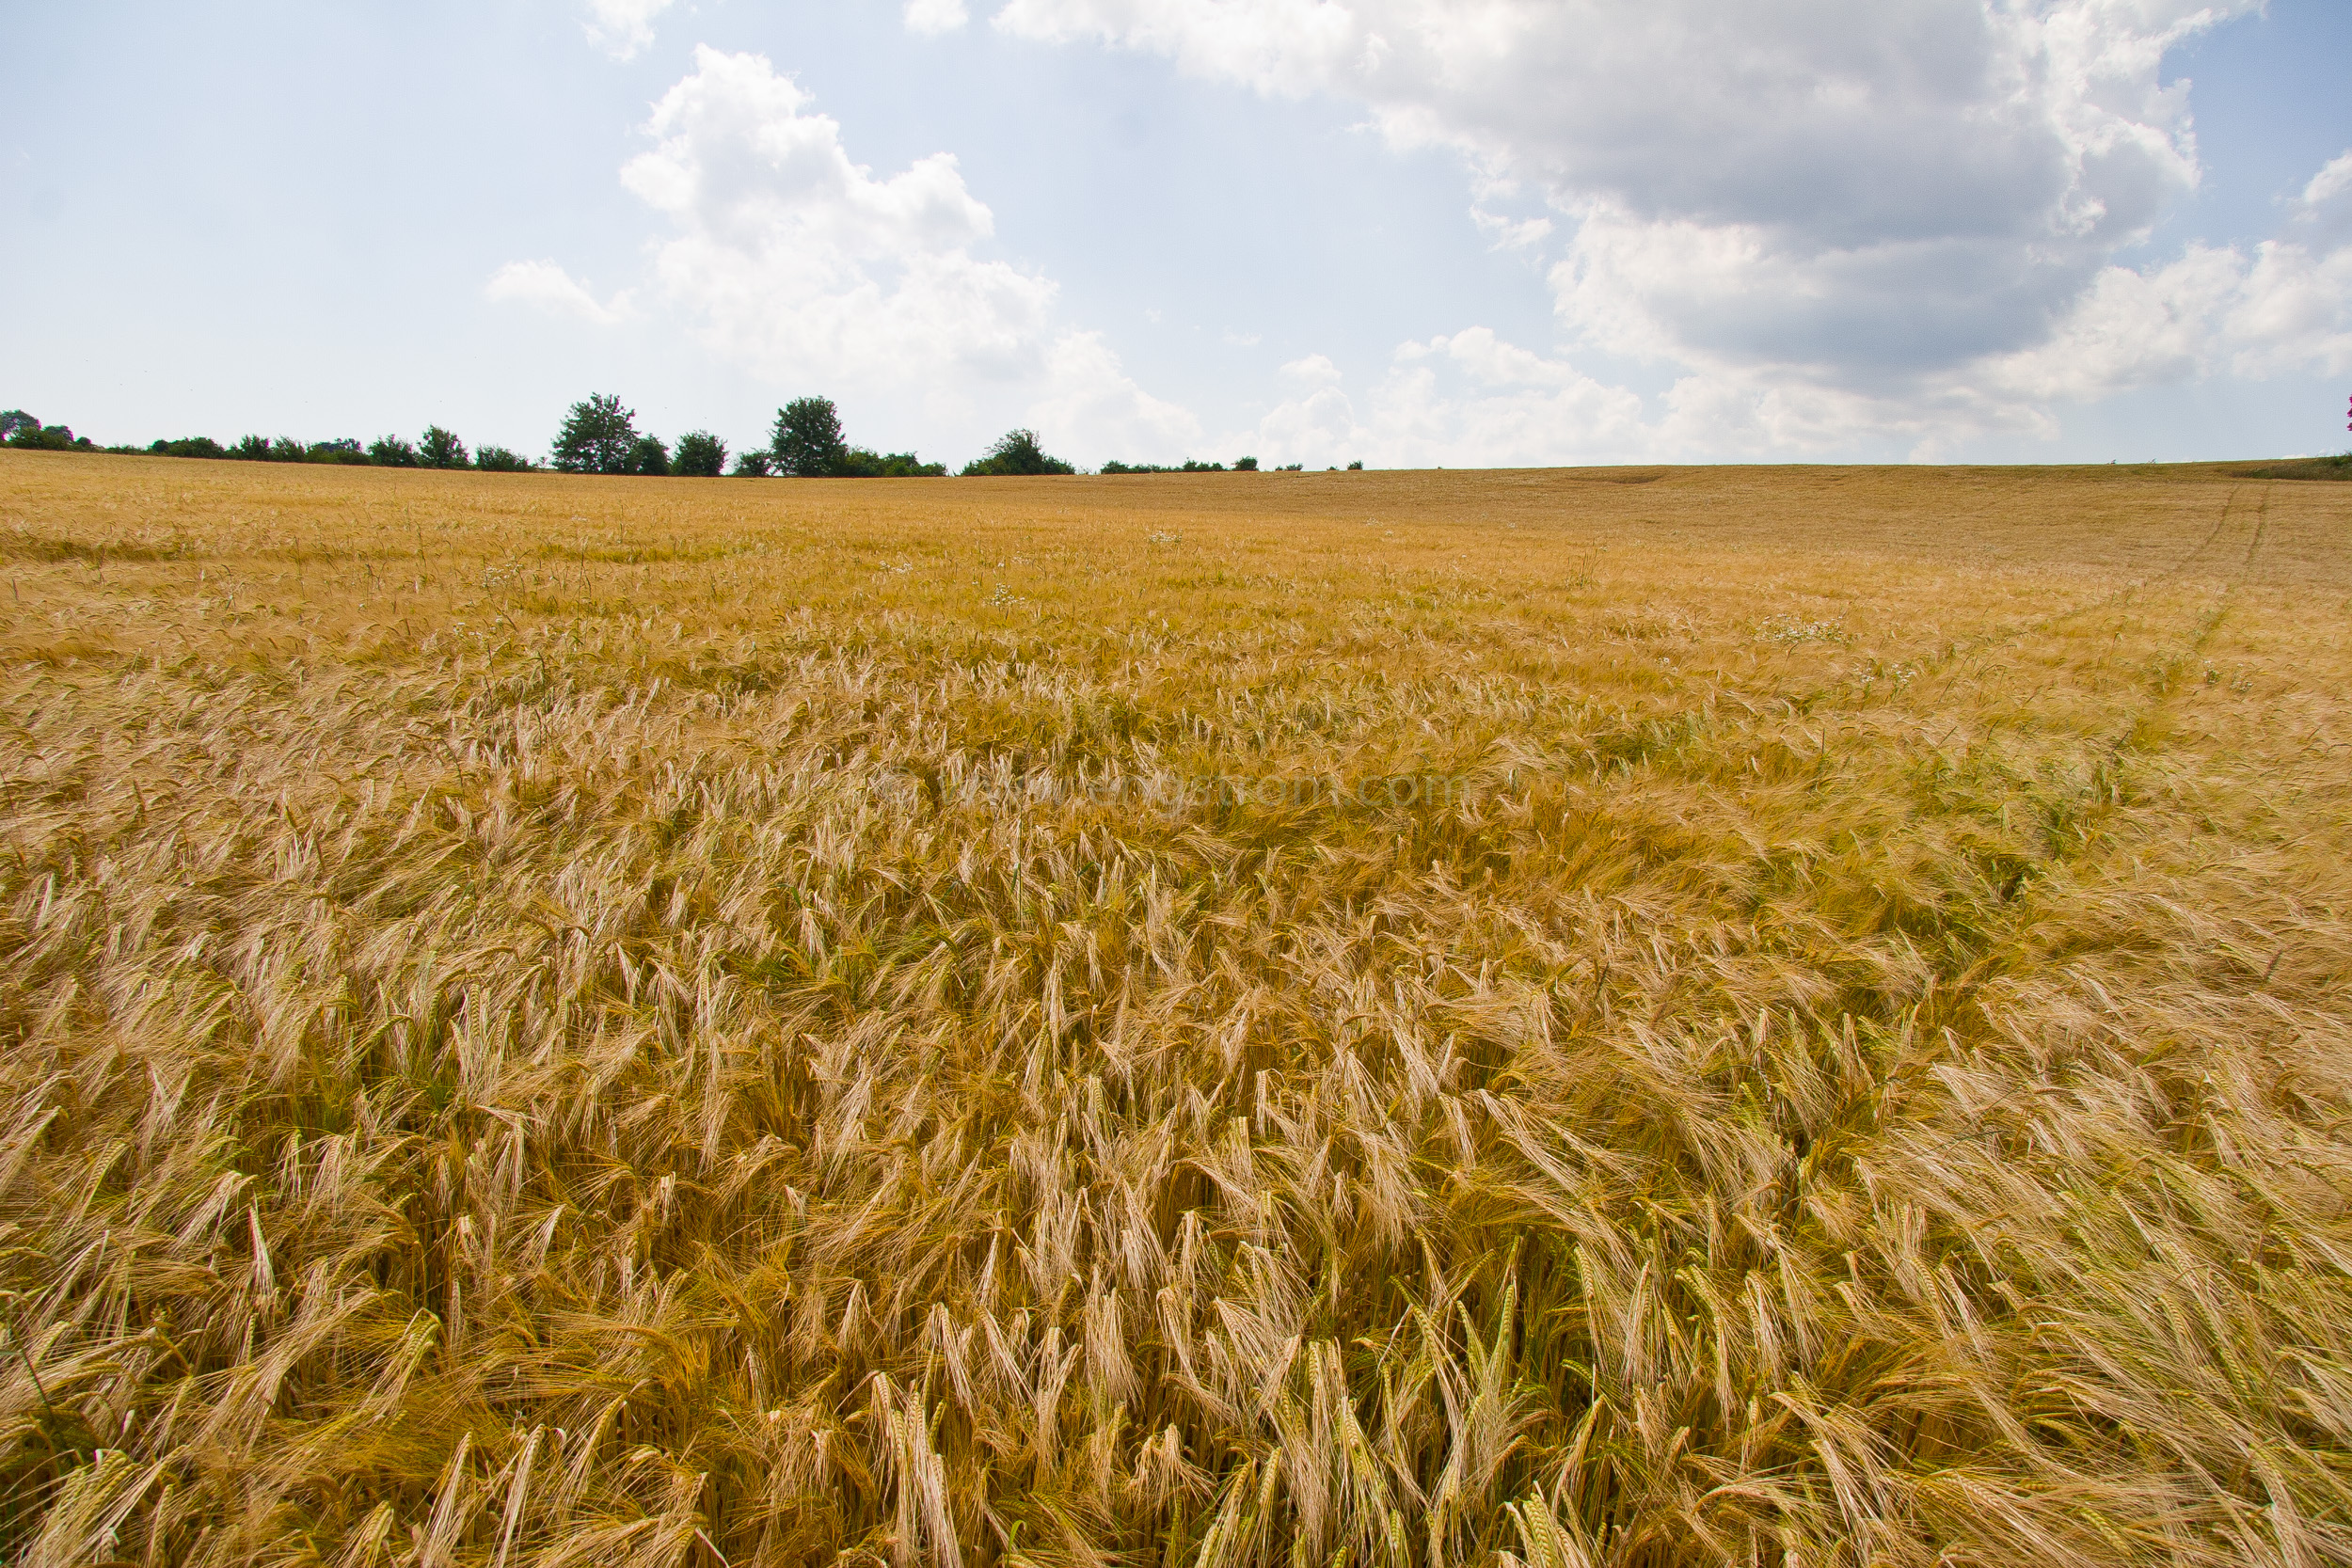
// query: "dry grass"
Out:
[652,1023]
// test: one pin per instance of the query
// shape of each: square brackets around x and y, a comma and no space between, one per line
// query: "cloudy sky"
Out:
[1410,231]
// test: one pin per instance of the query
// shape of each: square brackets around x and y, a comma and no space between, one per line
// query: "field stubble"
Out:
[642,1022]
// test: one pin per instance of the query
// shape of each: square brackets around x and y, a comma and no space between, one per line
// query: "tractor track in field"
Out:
[1959,655]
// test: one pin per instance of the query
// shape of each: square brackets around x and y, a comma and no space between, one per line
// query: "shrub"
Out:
[1245,464]
[598,436]
[1357,467]
[806,441]
[498,460]
[344,450]
[1016,452]
[2301,467]
[14,419]
[647,455]
[701,455]
[287,450]
[754,465]
[1187,466]
[858,463]
[187,446]
[391,452]
[252,449]
[441,448]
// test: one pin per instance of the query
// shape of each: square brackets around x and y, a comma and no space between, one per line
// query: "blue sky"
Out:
[1481,232]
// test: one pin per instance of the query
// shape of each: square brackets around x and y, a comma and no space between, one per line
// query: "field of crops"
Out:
[1778,1016]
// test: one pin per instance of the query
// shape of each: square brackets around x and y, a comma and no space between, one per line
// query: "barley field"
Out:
[1629,1017]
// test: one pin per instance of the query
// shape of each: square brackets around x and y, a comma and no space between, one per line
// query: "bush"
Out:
[498,460]
[1189,466]
[858,463]
[252,449]
[1245,464]
[15,419]
[2301,467]
[391,452]
[287,450]
[647,455]
[441,448]
[701,455]
[188,445]
[1357,467]
[754,465]
[598,436]
[806,441]
[1016,453]
[345,450]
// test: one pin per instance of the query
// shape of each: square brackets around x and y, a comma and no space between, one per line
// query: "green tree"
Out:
[1245,464]
[599,437]
[287,450]
[807,443]
[441,448]
[647,455]
[754,465]
[1017,452]
[701,455]
[498,460]
[391,452]
[26,431]
[253,449]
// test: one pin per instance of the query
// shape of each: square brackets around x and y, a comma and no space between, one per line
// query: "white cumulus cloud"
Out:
[623,28]
[1901,211]
[1466,400]
[1090,405]
[2329,182]
[810,269]
[549,287]
[935,16]
[800,261]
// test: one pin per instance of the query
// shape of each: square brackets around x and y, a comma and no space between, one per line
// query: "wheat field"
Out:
[1632,1018]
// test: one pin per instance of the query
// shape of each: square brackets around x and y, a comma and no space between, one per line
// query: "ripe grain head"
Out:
[1623,1016]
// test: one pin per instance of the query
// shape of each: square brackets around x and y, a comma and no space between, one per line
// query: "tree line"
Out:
[435,448]
[598,435]
[19,429]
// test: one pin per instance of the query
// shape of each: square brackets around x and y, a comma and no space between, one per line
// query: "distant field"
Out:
[1633,1016]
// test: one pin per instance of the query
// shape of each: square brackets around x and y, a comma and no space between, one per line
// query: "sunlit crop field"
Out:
[1780,1016]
